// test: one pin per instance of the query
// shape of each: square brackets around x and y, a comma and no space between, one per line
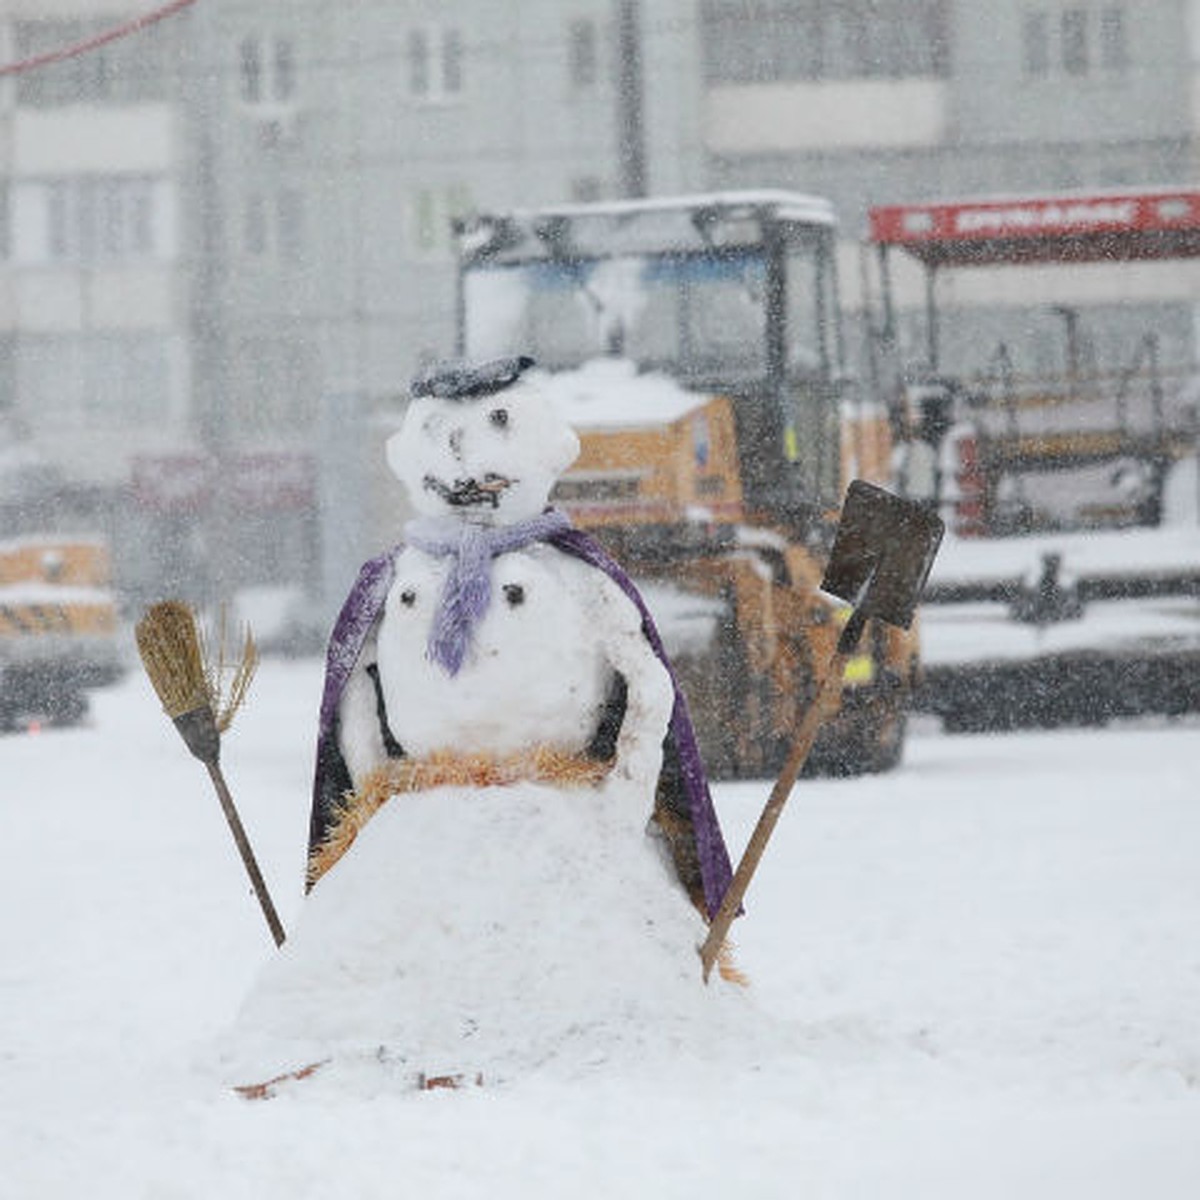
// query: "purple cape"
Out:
[362,610]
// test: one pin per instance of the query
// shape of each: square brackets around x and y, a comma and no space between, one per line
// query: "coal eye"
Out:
[514,593]
[408,597]
[499,417]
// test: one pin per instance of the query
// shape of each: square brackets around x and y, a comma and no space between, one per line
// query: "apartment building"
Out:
[130,358]
[434,108]
[94,365]
[226,240]
[342,141]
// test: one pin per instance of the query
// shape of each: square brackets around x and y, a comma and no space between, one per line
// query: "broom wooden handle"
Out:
[802,743]
[243,845]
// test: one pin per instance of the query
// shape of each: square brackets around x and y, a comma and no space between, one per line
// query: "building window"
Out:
[1114,43]
[127,380]
[8,373]
[1087,38]
[586,189]
[432,213]
[436,62]
[275,225]
[1035,43]
[112,381]
[285,69]
[289,210]
[250,73]
[254,225]
[266,70]
[123,71]
[781,40]
[58,221]
[583,57]
[90,218]
[273,385]
[1075,41]
[452,62]
[425,222]
[418,62]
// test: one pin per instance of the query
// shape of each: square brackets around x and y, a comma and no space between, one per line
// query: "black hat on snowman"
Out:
[469,381]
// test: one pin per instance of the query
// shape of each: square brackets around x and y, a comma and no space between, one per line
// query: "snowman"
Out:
[512,843]
[497,642]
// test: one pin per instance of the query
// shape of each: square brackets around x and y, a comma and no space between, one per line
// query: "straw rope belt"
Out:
[540,764]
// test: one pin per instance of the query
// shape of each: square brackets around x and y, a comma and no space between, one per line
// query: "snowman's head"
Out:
[481,442]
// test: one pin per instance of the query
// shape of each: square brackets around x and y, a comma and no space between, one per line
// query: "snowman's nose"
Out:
[456,441]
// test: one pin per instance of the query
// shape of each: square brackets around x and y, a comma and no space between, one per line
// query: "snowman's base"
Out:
[500,931]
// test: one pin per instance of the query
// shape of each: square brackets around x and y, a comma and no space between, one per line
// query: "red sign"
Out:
[1116,225]
[182,483]
[172,483]
[270,481]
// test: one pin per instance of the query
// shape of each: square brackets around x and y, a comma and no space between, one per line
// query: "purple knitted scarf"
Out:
[467,591]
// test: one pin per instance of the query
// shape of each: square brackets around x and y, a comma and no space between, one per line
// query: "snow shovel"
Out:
[881,557]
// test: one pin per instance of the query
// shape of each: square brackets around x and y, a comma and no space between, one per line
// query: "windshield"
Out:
[688,313]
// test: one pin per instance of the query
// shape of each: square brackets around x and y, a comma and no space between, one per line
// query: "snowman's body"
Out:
[555,658]
[540,672]
[540,632]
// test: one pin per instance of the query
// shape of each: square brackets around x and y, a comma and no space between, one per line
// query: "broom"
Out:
[192,689]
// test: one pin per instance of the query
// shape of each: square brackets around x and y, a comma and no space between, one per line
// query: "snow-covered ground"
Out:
[954,634]
[976,977]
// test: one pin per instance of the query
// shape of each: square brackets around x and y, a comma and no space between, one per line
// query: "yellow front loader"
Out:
[695,344]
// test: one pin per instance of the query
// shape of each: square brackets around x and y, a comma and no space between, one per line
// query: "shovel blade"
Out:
[882,553]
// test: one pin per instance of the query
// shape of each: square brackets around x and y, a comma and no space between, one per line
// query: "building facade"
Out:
[226,238]
[94,338]
[889,101]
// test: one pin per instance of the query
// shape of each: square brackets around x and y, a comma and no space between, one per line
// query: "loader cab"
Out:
[729,294]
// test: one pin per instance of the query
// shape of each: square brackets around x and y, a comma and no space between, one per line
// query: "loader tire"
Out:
[870,743]
[886,748]
[69,708]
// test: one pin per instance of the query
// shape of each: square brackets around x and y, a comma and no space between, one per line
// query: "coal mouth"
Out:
[470,493]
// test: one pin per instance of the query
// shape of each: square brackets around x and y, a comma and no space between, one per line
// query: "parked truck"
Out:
[1069,598]
[696,344]
[59,633]
[1087,445]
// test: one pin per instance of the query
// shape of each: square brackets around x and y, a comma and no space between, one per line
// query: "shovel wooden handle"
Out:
[802,743]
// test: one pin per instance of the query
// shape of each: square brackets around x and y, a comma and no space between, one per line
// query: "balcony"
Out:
[843,114]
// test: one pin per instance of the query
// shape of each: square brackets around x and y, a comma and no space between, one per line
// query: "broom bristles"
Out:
[226,700]
[169,644]
[183,669]
[239,683]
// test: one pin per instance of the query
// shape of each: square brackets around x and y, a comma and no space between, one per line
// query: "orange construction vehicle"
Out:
[58,627]
[59,632]
[696,345]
